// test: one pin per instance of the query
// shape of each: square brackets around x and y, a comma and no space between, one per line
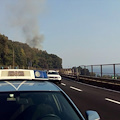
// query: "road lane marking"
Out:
[63,84]
[114,101]
[74,88]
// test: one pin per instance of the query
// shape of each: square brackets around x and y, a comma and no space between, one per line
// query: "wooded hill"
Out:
[23,56]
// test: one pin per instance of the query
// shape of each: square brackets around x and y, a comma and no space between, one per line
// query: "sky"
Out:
[81,32]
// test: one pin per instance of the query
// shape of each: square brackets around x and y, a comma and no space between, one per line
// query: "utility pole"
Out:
[13,58]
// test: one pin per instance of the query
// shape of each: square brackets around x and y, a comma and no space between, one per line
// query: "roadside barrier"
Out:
[97,81]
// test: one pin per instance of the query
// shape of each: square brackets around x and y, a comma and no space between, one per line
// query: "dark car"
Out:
[35,98]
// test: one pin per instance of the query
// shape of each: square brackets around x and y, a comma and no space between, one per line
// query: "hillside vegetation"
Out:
[23,56]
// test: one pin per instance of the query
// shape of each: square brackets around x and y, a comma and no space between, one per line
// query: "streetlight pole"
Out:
[13,58]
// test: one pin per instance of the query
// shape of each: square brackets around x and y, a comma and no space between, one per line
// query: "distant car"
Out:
[54,76]
[28,95]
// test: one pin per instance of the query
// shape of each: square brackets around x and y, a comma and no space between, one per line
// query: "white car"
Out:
[54,76]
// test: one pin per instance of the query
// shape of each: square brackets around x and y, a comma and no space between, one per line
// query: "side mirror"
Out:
[92,115]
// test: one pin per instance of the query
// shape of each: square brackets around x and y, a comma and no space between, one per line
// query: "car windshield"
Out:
[36,106]
[56,73]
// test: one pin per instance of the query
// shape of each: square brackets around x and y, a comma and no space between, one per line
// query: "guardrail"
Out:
[103,70]
[111,71]
[101,82]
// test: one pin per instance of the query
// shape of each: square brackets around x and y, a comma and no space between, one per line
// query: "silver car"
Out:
[35,98]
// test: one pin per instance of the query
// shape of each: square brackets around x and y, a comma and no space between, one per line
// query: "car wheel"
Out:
[59,81]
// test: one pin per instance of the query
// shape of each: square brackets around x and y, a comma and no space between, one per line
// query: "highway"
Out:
[87,97]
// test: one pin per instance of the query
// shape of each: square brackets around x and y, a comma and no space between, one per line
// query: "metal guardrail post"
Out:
[84,70]
[91,70]
[73,71]
[101,69]
[114,70]
[77,73]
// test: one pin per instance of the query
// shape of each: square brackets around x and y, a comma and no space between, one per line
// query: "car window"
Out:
[56,73]
[36,106]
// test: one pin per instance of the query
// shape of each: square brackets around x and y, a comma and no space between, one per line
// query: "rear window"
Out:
[56,73]
[36,106]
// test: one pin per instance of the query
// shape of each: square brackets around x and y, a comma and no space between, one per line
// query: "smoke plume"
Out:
[25,16]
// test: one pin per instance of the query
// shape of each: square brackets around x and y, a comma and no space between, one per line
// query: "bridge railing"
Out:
[111,71]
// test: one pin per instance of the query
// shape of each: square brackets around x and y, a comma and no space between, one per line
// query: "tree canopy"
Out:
[19,54]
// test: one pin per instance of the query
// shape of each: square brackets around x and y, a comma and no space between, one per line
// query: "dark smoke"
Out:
[25,15]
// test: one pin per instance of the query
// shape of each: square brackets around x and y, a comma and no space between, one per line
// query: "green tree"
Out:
[25,56]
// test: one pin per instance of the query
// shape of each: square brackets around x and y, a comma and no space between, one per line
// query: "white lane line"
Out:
[74,88]
[114,101]
[63,84]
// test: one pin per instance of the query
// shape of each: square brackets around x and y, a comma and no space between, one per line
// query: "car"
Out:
[54,76]
[28,95]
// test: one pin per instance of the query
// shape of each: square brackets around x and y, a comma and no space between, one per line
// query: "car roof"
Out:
[9,86]
[25,80]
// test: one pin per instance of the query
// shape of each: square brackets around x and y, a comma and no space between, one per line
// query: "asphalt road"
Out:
[86,97]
